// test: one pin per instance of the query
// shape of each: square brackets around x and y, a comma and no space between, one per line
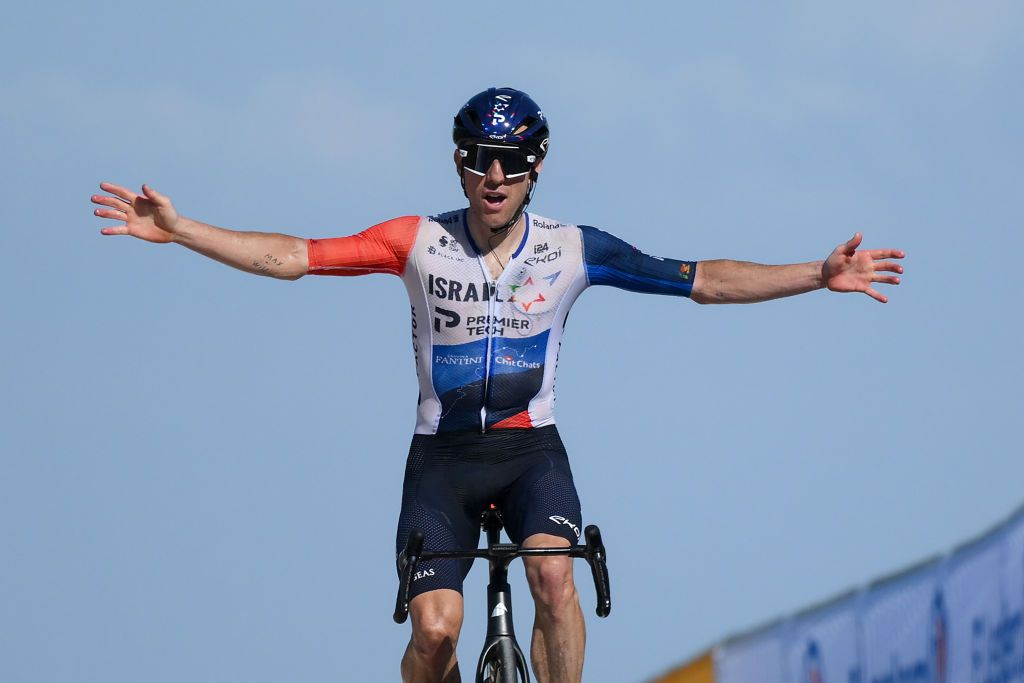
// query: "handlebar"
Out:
[407,562]
[593,552]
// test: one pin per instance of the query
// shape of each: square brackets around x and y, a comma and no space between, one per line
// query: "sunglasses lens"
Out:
[514,161]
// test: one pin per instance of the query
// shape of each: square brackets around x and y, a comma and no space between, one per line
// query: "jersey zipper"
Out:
[487,358]
[490,306]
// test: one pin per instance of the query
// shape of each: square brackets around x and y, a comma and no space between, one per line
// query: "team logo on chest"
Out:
[531,292]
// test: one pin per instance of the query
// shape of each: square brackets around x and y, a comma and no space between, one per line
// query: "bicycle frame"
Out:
[500,644]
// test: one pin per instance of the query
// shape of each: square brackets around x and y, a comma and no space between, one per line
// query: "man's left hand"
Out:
[849,270]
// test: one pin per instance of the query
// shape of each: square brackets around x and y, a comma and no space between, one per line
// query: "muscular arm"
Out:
[151,216]
[261,253]
[740,282]
[610,261]
[847,269]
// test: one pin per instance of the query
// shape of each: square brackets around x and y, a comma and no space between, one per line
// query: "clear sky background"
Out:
[200,470]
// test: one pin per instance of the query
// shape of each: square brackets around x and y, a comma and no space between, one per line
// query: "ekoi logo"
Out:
[558,519]
[543,258]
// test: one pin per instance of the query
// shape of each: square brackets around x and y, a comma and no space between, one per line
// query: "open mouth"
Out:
[494,200]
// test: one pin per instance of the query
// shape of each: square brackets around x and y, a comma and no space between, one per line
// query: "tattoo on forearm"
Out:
[268,265]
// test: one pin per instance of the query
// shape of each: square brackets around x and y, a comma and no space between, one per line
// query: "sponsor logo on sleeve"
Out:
[685,271]
[445,219]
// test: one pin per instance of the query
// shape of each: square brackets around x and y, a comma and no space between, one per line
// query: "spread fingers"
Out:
[889,266]
[122,192]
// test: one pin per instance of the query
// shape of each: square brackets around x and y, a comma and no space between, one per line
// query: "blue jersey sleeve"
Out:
[610,261]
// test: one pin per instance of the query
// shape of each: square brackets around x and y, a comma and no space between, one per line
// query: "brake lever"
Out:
[407,562]
[596,558]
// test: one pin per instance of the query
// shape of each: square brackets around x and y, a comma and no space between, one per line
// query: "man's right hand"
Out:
[149,216]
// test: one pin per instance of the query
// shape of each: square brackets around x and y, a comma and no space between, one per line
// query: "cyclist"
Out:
[490,288]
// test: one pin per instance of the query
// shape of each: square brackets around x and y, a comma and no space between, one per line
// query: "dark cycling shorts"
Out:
[450,478]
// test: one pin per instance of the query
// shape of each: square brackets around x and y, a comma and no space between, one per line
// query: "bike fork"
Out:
[501,652]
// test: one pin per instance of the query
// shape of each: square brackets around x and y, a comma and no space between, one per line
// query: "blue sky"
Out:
[201,469]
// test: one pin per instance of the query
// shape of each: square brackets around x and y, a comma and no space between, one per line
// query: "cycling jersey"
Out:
[486,348]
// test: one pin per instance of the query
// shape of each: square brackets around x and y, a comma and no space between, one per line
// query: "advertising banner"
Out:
[973,600]
[1005,656]
[824,644]
[753,659]
[905,628]
[958,619]
[700,669]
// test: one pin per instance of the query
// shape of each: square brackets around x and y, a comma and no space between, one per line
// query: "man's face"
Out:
[493,198]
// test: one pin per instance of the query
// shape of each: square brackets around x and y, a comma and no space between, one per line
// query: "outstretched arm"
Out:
[151,216]
[845,270]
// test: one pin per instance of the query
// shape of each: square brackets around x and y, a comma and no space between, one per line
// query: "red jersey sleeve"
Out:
[384,248]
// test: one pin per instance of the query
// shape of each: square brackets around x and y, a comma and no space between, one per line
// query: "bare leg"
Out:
[559,634]
[436,622]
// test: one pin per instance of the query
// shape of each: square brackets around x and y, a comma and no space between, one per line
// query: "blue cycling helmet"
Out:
[503,115]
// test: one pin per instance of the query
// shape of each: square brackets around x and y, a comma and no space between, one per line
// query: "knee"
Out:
[434,640]
[551,583]
[435,629]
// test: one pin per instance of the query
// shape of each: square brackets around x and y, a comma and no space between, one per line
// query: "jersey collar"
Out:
[472,243]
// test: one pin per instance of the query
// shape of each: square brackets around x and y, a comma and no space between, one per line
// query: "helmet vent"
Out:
[525,125]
